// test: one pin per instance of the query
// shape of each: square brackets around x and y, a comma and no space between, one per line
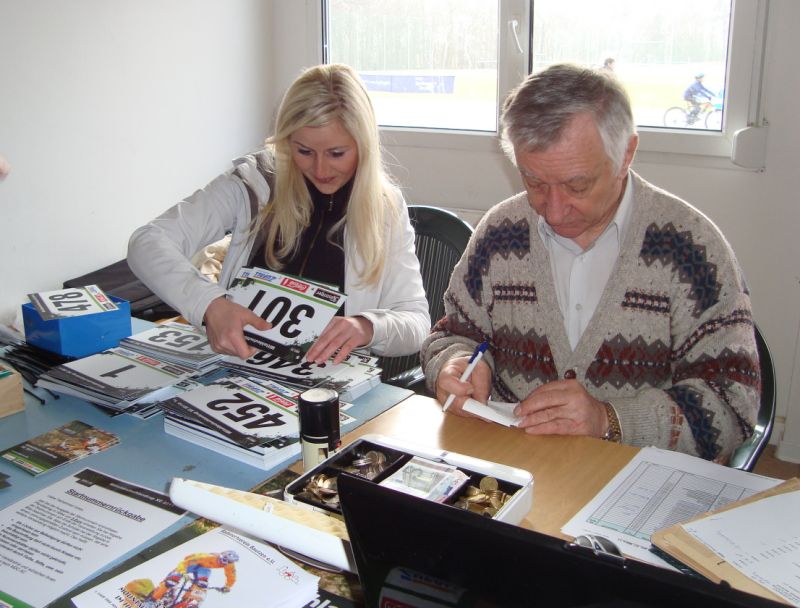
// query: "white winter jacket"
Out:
[159,253]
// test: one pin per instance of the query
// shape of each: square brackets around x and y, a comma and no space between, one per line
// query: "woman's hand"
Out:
[225,321]
[342,334]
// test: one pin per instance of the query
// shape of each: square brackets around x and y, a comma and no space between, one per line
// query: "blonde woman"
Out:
[316,202]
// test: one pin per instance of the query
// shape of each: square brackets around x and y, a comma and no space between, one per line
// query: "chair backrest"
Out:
[441,238]
[746,455]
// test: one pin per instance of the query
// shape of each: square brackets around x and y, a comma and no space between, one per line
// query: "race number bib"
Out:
[71,302]
[297,309]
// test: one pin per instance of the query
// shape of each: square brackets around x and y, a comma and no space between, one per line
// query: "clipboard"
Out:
[684,547]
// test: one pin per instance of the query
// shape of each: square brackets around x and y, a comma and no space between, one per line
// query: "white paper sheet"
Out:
[57,537]
[657,489]
[761,540]
[493,411]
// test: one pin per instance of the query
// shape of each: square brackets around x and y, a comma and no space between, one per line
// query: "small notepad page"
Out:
[494,411]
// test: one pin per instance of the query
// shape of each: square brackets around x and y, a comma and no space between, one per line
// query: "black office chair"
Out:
[441,238]
[746,455]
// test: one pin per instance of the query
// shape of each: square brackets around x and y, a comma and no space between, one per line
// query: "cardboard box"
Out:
[12,398]
[78,336]
[517,484]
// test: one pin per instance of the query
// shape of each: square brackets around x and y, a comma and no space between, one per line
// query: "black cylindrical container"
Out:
[319,425]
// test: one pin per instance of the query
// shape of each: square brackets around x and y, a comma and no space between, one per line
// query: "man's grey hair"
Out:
[536,112]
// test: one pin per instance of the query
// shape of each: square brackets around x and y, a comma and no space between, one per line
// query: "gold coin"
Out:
[476,498]
[488,483]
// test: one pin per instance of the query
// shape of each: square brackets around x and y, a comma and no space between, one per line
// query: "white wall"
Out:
[111,111]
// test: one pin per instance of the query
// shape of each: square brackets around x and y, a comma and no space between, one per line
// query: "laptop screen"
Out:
[415,552]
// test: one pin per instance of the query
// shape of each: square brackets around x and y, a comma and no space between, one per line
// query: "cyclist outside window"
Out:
[694,94]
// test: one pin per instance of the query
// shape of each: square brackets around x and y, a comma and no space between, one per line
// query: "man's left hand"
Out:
[563,407]
[342,334]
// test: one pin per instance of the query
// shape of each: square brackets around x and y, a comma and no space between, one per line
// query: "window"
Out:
[438,66]
[425,64]
[671,55]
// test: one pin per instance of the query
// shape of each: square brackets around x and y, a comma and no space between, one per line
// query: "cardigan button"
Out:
[570,374]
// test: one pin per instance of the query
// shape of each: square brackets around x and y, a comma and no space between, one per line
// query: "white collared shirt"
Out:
[580,276]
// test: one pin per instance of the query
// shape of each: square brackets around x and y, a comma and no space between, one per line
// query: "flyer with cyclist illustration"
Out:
[218,568]
[297,309]
[53,539]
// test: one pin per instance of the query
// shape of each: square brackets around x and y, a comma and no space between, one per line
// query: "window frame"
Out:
[744,97]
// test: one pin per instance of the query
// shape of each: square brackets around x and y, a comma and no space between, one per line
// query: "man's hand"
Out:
[477,385]
[225,321]
[562,407]
[342,334]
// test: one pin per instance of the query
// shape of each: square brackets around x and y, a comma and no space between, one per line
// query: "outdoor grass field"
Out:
[472,104]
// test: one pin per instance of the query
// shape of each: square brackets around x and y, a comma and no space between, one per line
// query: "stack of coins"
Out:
[487,499]
[368,465]
[323,489]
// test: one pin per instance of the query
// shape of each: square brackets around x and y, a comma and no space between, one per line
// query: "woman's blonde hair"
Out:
[321,95]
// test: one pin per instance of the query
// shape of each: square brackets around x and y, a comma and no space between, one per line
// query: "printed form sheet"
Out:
[57,537]
[656,489]
[769,552]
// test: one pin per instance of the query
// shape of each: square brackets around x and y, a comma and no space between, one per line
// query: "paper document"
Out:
[55,538]
[656,489]
[493,411]
[218,568]
[761,540]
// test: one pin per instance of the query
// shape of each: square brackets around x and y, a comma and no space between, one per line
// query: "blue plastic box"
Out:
[78,336]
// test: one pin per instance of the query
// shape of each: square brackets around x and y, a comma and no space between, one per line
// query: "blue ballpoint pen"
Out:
[473,361]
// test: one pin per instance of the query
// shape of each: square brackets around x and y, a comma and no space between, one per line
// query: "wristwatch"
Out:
[614,432]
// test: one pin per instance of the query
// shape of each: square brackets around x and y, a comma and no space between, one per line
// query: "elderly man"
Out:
[612,309]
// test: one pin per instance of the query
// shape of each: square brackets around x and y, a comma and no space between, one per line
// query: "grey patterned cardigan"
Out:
[671,343]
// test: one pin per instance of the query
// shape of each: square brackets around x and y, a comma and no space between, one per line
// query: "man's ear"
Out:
[630,151]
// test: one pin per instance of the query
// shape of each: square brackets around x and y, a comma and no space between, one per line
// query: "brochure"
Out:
[218,568]
[67,443]
[53,539]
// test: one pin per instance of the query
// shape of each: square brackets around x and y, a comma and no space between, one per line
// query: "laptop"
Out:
[415,552]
